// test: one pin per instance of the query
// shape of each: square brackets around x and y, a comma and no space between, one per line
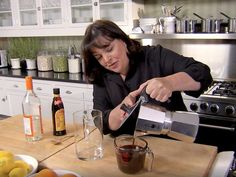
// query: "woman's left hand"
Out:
[158,88]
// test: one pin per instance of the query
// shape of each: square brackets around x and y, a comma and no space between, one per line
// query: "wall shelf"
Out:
[226,36]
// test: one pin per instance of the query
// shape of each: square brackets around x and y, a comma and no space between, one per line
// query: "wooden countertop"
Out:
[172,158]
[13,139]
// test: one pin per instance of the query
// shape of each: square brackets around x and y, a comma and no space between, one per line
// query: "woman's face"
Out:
[113,56]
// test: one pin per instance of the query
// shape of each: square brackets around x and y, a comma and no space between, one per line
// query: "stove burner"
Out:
[224,88]
[224,92]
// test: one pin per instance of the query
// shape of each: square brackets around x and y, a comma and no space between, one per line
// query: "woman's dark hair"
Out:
[110,31]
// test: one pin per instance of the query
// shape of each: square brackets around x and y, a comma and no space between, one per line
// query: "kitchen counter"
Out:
[172,158]
[43,75]
[13,139]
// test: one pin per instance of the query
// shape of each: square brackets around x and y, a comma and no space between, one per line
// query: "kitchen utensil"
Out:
[231,23]
[207,24]
[3,58]
[129,110]
[58,140]
[168,24]
[154,119]
[185,25]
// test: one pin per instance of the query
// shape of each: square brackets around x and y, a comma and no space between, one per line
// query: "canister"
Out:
[59,62]
[44,61]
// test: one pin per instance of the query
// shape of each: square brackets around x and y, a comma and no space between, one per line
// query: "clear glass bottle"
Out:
[58,115]
[31,107]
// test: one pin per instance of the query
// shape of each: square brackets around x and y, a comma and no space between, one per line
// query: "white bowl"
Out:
[147,28]
[147,21]
[30,160]
[61,172]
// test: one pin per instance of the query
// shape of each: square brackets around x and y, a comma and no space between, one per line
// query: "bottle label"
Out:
[60,120]
[28,125]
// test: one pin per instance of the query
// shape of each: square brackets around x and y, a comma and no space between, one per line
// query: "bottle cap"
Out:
[28,82]
[56,91]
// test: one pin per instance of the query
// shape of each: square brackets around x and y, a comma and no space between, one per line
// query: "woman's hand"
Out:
[158,88]
[161,88]
[117,115]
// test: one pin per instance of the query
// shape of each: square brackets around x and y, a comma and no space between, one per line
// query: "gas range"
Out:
[216,108]
[218,100]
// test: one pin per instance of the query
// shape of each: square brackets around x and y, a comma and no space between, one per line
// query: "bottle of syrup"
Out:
[58,115]
[31,107]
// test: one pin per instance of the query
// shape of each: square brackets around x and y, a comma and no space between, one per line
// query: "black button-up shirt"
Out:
[151,62]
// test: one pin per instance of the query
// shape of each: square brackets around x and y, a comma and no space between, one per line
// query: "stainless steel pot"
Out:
[231,23]
[185,25]
[209,25]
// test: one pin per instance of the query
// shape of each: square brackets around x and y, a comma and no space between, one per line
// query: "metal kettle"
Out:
[153,119]
[3,58]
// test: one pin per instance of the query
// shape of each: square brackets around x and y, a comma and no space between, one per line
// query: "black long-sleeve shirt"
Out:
[151,62]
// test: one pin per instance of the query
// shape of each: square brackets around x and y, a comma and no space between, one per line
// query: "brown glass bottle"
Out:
[58,115]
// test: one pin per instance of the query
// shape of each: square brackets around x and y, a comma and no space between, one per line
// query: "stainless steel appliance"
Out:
[217,113]
[3,58]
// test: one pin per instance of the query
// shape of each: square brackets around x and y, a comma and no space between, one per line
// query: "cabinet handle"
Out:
[16,86]
[39,8]
[39,88]
[95,3]
[68,92]
[4,99]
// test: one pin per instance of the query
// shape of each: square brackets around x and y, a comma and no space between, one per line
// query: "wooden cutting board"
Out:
[172,159]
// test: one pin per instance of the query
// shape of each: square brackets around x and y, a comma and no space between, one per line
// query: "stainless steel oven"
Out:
[217,112]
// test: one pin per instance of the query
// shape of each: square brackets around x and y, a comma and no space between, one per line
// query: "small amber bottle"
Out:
[58,114]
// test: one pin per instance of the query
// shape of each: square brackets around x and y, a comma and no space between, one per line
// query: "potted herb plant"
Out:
[14,53]
[26,49]
[31,48]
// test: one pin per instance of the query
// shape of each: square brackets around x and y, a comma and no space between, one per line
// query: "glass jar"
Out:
[44,61]
[59,62]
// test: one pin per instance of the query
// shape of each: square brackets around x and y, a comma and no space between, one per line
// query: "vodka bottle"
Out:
[31,107]
[58,115]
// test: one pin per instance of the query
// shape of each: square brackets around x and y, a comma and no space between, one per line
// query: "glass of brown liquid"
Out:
[131,153]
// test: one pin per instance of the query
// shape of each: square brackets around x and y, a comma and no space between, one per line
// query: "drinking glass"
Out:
[88,134]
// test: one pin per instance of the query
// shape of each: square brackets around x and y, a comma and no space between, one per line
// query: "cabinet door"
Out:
[51,12]
[6,13]
[81,11]
[28,15]
[4,107]
[43,89]
[113,10]
[15,90]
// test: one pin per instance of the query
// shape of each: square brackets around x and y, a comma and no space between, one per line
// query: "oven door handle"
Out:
[218,127]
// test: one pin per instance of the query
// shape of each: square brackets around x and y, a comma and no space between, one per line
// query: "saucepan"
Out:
[231,22]
[185,25]
[210,25]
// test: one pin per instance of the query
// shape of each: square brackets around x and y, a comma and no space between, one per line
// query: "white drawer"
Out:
[42,89]
[15,85]
[71,92]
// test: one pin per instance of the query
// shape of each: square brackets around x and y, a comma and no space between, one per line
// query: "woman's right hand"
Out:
[117,115]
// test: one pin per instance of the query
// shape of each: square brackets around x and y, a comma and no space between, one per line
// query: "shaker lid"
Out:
[56,91]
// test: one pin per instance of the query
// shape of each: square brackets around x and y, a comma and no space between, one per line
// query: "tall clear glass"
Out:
[88,134]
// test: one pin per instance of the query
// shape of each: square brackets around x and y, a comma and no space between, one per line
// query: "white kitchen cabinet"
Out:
[4,108]
[74,95]
[5,13]
[63,17]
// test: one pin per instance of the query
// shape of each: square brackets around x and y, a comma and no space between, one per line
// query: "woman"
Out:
[120,68]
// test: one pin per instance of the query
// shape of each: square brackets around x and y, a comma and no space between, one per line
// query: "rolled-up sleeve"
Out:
[171,62]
